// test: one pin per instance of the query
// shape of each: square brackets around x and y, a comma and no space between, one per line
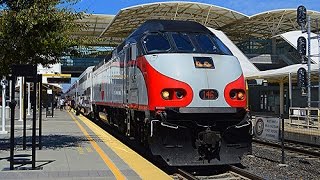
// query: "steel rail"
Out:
[244,173]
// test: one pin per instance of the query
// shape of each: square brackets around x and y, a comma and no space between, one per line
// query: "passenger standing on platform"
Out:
[61,103]
[72,104]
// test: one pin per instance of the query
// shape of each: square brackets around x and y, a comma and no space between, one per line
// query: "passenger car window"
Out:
[183,42]
[156,43]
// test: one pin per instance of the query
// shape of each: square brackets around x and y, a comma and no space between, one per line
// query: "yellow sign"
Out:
[57,75]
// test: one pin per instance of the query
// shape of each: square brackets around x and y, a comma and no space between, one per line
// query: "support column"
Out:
[21,98]
[281,97]
[29,103]
[3,130]
[290,90]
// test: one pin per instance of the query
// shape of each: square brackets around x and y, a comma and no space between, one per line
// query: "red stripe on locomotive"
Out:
[157,82]
[238,84]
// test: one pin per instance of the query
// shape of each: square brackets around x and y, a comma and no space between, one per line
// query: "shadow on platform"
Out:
[48,142]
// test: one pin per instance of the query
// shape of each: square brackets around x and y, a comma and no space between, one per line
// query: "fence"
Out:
[303,125]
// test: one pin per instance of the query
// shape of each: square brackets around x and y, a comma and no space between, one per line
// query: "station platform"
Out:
[75,148]
[302,132]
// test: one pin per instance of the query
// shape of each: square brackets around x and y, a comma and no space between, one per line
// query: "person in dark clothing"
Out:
[72,104]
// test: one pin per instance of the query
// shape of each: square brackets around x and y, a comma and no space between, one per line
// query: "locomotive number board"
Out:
[208,94]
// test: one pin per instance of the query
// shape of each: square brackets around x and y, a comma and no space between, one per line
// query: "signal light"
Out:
[302,77]
[301,16]
[301,46]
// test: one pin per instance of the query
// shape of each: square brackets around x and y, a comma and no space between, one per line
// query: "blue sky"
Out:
[248,7]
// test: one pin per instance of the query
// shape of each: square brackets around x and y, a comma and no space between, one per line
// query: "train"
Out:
[177,89]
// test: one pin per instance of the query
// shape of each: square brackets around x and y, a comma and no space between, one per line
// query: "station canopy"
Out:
[282,74]
[113,29]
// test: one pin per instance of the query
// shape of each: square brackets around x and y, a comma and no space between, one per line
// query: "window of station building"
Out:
[183,42]
[155,43]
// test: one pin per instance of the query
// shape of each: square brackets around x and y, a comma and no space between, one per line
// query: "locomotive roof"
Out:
[157,25]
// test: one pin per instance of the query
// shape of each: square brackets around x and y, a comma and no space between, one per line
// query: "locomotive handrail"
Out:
[162,124]
[169,126]
[151,126]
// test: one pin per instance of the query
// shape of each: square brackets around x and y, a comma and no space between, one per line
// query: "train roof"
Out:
[157,25]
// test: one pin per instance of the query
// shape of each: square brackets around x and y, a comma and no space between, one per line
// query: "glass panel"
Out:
[211,44]
[206,44]
[156,43]
[222,47]
[183,42]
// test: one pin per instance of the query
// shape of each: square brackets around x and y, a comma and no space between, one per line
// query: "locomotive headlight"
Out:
[179,94]
[240,95]
[165,94]
[233,94]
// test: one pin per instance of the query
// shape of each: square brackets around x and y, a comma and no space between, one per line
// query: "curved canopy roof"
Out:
[267,24]
[236,25]
[282,74]
[130,18]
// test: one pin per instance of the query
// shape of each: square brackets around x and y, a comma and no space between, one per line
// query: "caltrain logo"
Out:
[259,126]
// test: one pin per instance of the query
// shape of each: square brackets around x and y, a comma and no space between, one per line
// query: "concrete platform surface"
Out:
[74,148]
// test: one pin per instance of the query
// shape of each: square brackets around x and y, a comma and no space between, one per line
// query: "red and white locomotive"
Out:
[174,86]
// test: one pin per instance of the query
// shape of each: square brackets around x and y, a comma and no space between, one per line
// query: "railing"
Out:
[304,117]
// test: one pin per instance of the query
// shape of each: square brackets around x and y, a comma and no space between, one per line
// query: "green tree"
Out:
[36,31]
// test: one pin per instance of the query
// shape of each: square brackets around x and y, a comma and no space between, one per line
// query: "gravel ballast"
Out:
[266,163]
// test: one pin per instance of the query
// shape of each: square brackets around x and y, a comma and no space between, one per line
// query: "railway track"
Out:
[232,172]
[294,147]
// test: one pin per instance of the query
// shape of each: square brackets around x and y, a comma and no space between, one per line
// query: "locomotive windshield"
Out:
[155,43]
[175,42]
[183,42]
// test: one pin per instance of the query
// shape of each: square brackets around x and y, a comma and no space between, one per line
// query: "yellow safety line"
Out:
[80,150]
[141,166]
[89,149]
[117,173]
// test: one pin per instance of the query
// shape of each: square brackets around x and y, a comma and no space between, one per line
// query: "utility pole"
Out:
[309,63]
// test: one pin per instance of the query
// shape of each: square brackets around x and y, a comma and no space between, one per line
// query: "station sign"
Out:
[267,128]
[58,78]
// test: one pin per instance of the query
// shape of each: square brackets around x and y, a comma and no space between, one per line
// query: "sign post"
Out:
[268,128]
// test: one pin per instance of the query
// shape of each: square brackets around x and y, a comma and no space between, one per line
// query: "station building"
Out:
[264,43]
